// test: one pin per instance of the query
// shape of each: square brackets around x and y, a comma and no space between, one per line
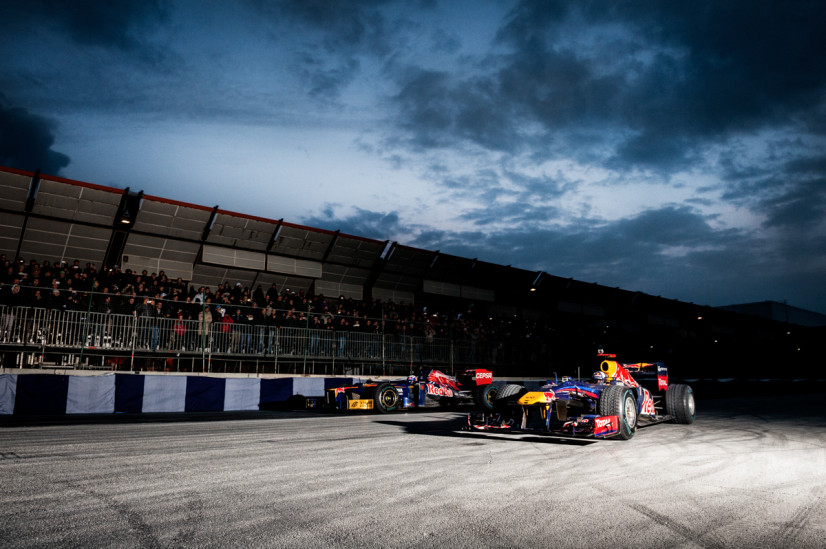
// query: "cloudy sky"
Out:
[670,147]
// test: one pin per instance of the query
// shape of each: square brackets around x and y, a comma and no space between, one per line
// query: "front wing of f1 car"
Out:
[613,404]
[583,426]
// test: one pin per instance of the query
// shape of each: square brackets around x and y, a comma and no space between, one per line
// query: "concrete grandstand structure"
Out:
[518,321]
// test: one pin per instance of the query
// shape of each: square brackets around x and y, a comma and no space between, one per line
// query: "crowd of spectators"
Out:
[72,286]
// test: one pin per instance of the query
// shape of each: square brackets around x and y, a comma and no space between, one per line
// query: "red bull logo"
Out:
[438,390]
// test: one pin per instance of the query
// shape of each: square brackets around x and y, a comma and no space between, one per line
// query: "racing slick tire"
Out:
[509,391]
[679,403]
[484,396]
[618,400]
[385,398]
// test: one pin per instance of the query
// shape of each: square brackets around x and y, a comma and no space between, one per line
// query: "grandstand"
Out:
[219,291]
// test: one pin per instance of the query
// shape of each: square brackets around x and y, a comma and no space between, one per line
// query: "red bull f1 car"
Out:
[611,404]
[430,386]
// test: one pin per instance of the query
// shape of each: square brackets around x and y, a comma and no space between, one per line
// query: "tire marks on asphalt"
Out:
[703,539]
[793,528]
[143,531]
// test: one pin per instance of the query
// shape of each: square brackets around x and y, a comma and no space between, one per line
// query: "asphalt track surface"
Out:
[750,472]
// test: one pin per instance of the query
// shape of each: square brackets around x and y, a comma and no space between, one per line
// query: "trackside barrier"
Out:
[34,394]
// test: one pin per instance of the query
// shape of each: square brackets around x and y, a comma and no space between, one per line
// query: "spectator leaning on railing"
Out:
[11,298]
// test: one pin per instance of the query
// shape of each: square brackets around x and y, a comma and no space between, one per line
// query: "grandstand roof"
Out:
[47,217]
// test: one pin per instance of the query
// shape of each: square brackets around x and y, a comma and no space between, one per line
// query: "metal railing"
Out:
[99,334]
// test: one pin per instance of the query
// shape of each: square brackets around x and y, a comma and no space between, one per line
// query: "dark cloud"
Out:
[444,42]
[788,189]
[335,36]
[326,78]
[527,200]
[670,226]
[748,62]
[114,23]
[622,250]
[377,225]
[435,111]
[348,26]
[648,84]
[696,69]
[77,57]
[801,206]
[428,110]
[26,141]
[511,213]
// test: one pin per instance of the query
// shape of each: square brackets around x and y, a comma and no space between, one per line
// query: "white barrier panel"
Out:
[164,394]
[8,390]
[91,394]
[242,394]
[308,386]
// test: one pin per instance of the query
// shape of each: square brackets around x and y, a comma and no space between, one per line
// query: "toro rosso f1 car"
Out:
[612,404]
[416,391]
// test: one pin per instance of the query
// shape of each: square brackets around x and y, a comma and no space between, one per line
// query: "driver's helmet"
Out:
[412,379]
[600,377]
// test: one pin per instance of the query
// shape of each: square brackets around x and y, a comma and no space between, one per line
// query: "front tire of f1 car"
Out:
[385,398]
[618,400]
[484,396]
[679,403]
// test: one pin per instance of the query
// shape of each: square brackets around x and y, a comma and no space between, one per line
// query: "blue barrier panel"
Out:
[129,393]
[41,394]
[276,390]
[8,389]
[205,394]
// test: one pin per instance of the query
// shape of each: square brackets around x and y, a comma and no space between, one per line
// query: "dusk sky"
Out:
[670,147]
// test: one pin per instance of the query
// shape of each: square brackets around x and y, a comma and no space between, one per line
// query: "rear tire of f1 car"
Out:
[484,396]
[679,403]
[618,400]
[510,391]
[385,398]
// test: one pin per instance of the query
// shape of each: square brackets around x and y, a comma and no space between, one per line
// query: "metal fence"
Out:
[45,331]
